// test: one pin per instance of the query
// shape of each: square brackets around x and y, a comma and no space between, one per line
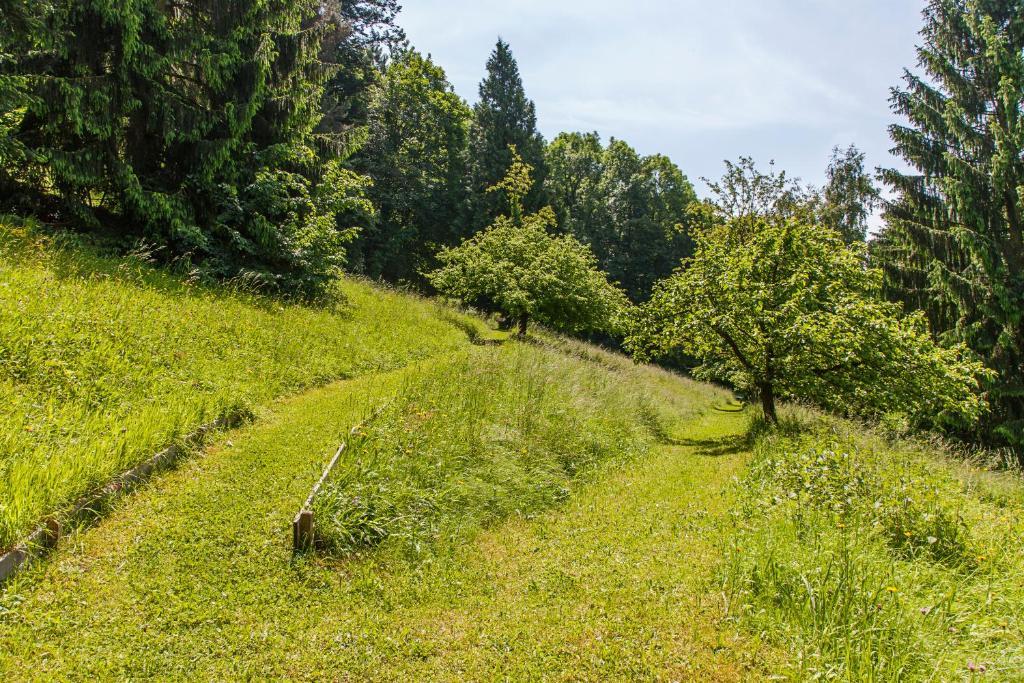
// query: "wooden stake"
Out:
[302,530]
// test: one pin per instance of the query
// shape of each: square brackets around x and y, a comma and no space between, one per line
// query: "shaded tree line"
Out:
[432,159]
[281,142]
[198,126]
[953,242]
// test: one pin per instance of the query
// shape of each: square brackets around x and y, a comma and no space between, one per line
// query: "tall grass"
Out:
[878,561]
[491,434]
[103,361]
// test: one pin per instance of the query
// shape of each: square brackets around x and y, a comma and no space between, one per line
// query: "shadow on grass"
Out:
[721,446]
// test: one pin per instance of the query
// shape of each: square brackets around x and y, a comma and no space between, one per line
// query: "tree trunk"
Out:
[768,403]
[523,322]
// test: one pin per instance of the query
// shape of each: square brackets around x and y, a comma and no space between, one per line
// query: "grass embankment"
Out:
[878,560]
[519,512]
[104,361]
[493,433]
[194,578]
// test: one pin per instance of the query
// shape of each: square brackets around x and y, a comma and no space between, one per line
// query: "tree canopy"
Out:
[518,268]
[195,127]
[953,245]
[849,196]
[416,154]
[631,210]
[503,117]
[782,309]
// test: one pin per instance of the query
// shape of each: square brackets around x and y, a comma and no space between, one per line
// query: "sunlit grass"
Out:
[877,560]
[493,433]
[104,361]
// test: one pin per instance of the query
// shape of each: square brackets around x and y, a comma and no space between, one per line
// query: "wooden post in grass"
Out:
[303,534]
[52,535]
[302,530]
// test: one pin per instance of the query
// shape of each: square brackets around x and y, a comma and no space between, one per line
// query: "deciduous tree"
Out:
[849,196]
[518,268]
[631,210]
[782,309]
[416,153]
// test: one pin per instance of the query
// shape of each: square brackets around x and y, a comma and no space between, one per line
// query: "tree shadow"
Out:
[719,447]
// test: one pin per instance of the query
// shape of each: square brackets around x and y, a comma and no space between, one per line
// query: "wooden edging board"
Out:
[48,534]
[302,525]
[303,528]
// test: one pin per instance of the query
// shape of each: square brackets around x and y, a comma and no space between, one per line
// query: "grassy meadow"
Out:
[877,559]
[518,510]
[491,434]
[103,361]
[506,509]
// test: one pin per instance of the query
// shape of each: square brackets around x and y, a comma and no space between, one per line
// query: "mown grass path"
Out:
[193,578]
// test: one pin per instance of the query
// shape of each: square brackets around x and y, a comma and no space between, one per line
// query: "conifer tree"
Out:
[18,25]
[195,123]
[954,241]
[503,117]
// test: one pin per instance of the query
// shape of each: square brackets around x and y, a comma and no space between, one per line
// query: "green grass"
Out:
[876,560]
[193,577]
[517,511]
[103,361]
[491,434]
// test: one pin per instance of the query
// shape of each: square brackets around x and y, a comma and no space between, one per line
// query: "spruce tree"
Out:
[503,117]
[954,241]
[18,33]
[196,125]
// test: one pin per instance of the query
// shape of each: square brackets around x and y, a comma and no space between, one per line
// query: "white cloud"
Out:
[785,79]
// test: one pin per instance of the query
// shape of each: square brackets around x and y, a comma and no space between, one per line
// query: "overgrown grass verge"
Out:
[495,433]
[105,361]
[877,561]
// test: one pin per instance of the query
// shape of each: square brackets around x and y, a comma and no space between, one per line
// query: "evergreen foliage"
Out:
[954,241]
[362,35]
[195,123]
[416,154]
[503,117]
[18,29]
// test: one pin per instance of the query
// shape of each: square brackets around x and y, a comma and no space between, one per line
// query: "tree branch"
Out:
[735,348]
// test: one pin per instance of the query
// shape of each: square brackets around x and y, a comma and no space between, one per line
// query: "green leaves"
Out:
[416,154]
[518,268]
[784,308]
[503,116]
[631,210]
[195,129]
[953,244]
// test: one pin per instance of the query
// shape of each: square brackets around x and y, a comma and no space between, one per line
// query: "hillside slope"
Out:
[519,510]
[194,577]
[104,361]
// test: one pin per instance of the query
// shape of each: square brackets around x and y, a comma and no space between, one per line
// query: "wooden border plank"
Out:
[304,524]
[47,535]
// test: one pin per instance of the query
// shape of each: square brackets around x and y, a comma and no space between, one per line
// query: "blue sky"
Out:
[698,80]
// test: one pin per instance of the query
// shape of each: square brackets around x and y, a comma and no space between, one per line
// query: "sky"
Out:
[698,80]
